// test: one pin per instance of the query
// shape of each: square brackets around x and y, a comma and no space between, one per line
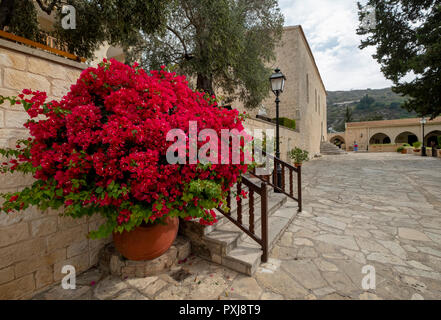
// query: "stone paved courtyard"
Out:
[381,209]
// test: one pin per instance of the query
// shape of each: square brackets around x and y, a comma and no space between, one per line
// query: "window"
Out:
[315,100]
[307,88]
[319,104]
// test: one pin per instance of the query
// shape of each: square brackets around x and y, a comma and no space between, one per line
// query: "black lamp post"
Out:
[277,80]
[423,121]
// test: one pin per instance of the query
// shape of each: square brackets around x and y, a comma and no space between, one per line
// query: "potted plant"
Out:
[417,146]
[298,156]
[403,149]
[102,150]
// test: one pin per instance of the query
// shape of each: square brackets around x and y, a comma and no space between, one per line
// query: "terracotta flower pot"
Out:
[404,151]
[297,165]
[147,242]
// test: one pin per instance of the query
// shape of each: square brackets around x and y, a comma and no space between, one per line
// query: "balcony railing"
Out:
[49,44]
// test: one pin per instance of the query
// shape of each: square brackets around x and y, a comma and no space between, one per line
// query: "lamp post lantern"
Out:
[277,81]
[423,121]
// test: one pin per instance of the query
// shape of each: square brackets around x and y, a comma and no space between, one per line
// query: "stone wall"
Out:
[362,132]
[289,139]
[304,97]
[35,245]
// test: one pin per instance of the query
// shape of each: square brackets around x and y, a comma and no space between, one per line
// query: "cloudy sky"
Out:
[330,27]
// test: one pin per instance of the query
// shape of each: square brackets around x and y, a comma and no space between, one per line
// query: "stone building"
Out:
[393,132]
[35,245]
[304,97]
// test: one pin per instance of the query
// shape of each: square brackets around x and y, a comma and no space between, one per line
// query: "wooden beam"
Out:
[31,43]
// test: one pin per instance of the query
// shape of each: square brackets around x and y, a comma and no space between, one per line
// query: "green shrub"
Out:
[439,141]
[286,122]
[417,144]
[400,149]
[299,155]
[406,145]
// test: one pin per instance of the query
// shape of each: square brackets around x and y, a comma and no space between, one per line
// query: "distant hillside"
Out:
[364,105]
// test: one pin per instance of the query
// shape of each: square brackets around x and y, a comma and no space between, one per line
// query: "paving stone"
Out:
[271,296]
[305,272]
[347,242]
[324,265]
[306,252]
[430,251]
[419,265]
[323,291]
[356,255]
[148,286]
[331,222]
[246,288]
[386,258]
[130,294]
[369,296]
[281,284]
[412,234]
[303,242]
[209,288]
[108,288]
[394,248]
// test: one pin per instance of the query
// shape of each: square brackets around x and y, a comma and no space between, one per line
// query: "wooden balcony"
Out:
[49,43]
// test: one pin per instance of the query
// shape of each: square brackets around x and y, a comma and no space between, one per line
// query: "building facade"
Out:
[304,97]
[397,132]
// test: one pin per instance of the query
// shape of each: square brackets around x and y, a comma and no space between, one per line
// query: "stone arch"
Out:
[379,138]
[406,137]
[115,53]
[337,140]
[432,136]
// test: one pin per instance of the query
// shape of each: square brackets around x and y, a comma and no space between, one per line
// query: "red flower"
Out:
[104,144]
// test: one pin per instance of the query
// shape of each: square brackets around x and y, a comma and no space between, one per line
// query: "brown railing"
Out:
[249,228]
[285,168]
[261,190]
[52,45]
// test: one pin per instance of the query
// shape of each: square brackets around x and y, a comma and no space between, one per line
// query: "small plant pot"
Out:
[416,150]
[147,242]
[297,165]
[404,151]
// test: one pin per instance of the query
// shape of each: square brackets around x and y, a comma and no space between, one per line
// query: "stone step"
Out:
[225,237]
[328,148]
[246,256]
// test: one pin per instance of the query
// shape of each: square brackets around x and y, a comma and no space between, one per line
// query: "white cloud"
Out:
[330,27]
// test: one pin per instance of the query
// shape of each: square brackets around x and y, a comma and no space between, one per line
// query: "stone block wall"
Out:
[35,245]
[304,96]
[289,139]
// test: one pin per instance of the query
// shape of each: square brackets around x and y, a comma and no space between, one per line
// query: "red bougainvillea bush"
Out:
[102,150]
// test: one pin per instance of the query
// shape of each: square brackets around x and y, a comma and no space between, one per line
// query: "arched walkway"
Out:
[406,137]
[432,136]
[379,138]
[115,53]
[338,141]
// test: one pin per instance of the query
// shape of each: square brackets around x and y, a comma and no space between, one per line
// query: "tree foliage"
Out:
[407,36]
[118,22]
[348,115]
[223,44]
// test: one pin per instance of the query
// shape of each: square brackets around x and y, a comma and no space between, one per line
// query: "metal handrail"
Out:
[274,183]
[263,193]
